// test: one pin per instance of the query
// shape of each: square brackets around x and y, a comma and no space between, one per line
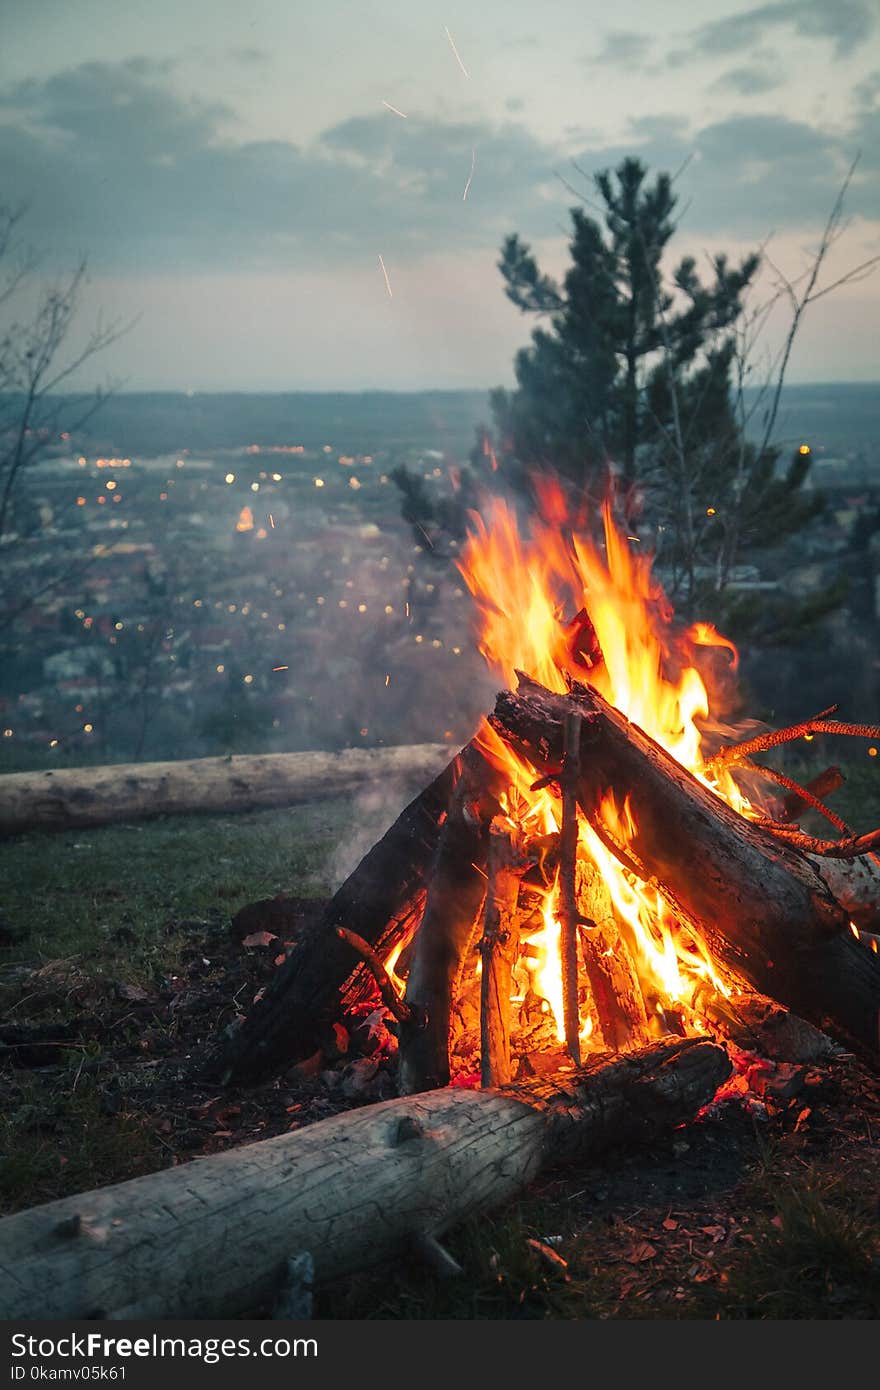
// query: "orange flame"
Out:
[557,604]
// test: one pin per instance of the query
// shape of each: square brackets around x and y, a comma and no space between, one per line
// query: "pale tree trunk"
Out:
[213,1238]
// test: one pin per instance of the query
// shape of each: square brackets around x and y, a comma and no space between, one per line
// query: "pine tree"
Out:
[633,376]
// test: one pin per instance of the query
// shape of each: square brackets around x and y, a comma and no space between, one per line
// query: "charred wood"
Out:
[763,909]
[498,949]
[455,891]
[568,905]
[608,965]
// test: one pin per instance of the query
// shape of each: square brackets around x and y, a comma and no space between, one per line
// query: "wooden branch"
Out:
[568,906]
[390,998]
[208,1238]
[498,948]
[735,752]
[761,907]
[848,848]
[808,798]
[88,796]
[801,795]
[820,786]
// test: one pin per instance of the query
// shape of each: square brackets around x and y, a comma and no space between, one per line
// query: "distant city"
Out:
[231,573]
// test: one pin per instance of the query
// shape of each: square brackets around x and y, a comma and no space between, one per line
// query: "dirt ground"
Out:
[764,1206]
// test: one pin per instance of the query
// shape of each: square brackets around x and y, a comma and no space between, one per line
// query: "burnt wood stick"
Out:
[498,949]
[820,787]
[568,906]
[393,1003]
[374,901]
[608,964]
[456,888]
[764,910]
[207,1238]
[734,753]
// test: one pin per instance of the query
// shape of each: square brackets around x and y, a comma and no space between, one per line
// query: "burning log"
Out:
[568,905]
[211,1238]
[608,963]
[498,949]
[855,884]
[77,797]
[456,887]
[765,912]
[753,1023]
[380,902]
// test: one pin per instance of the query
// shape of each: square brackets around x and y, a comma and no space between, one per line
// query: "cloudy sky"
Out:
[233,173]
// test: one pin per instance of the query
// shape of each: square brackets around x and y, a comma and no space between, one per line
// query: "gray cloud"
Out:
[751,175]
[112,159]
[867,92]
[665,128]
[846,23]
[114,162]
[749,82]
[622,48]
[250,57]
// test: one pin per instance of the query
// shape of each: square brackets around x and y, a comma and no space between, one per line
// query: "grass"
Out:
[133,903]
[90,910]
[119,898]
[68,1136]
[809,1252]
[812,1251]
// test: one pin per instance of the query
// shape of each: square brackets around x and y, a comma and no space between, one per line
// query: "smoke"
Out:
[373,811]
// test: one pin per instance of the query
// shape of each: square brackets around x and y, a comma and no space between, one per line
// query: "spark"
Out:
[467,187]
[280,668]
[455,51]
[387,281]
[271,521]
[387,681]
[394,109]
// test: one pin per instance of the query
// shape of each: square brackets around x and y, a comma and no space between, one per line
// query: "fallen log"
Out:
[212,1238]
[78,797]
[381,902]
[763,908]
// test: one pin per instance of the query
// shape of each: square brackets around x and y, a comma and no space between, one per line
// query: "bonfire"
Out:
[605,863]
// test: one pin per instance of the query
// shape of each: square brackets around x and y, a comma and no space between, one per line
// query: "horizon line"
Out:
[189,392]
